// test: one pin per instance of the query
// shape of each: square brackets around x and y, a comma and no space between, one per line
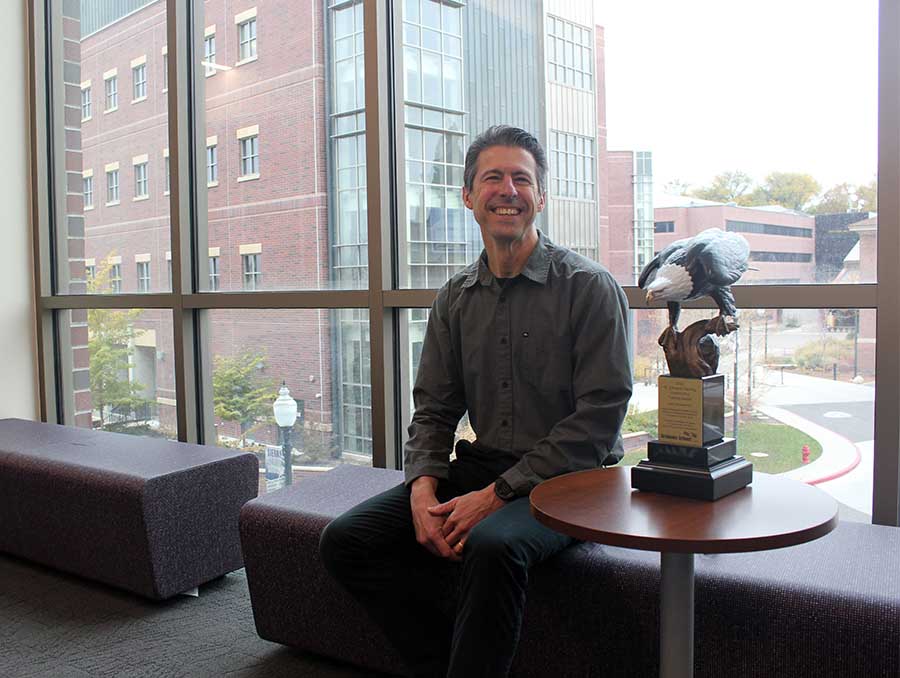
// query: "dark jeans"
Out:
[372,551]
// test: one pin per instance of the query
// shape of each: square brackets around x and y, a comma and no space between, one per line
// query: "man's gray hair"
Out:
[506,135]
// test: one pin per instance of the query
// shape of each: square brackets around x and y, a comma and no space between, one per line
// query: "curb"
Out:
[841,472]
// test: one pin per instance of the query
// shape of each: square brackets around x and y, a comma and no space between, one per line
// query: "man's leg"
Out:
[371,550]
[497,556]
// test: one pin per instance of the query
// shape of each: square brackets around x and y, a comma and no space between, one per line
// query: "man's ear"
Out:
[467,198]
[542,201]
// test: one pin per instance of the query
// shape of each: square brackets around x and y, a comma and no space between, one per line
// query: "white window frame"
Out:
[215,273]
[212,162]
[141,178]
[112,184]
[111,91]
[247,44]
[87,189]
[165,68]
[209,51]
[248,153]
[167,187]
[142,264]
[86,103]
[139,80]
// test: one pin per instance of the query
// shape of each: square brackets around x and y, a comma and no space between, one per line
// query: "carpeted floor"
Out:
[53,625]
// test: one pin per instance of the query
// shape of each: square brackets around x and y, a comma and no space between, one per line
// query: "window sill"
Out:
[86,119]
[248,177]
[112,204]
[248,60]
[166,192]
[139,99]
[164,90]
[211,73]
[110,110]
[88,208]
[140,198]
[212,184]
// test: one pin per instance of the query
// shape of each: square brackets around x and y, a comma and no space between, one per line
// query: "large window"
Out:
[359,210]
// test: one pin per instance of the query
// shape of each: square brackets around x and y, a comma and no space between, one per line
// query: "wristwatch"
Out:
[503,490]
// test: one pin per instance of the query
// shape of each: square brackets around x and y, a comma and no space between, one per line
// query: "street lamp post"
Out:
[285,410]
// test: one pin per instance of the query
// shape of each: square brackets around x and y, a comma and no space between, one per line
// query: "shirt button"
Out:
[503,340]
[505,384]
[503,423]
[524,334]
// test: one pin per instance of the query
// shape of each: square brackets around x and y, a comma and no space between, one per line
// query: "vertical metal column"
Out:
[676,615]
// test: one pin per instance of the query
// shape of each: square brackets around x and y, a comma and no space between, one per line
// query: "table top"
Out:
[599,505]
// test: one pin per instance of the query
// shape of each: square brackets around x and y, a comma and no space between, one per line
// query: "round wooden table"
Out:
[600,506]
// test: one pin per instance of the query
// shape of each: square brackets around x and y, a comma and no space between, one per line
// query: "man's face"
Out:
[505,198]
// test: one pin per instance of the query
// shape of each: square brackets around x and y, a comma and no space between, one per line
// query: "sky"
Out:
[770,85]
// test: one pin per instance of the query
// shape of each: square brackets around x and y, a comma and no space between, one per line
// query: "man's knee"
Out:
[336,545]
[488,547]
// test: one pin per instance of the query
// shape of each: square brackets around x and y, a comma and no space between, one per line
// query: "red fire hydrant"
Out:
[805,453]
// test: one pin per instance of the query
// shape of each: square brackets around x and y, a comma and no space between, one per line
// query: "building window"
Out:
[168,175]
[165,71]
[571,166]
[143,276]
[212,165]
[214,274]
[250,156]
[767,229]
[139,82]
[432,54]
[87,184]
[252,271]
[570,55]
[90,272]
[247,39]
[141,183]
[112,92]
[169,268]
[792,257]
[115,278]
[86,103]
[112,187]
[209,52]
[663,226]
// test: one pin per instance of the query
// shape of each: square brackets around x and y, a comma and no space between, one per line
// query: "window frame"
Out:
[383,299]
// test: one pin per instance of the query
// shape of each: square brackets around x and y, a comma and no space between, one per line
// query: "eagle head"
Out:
[671,283]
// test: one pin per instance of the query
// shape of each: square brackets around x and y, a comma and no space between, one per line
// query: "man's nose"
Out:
[508,187]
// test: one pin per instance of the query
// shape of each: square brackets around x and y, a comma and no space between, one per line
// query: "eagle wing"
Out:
[721,256]
[649,272]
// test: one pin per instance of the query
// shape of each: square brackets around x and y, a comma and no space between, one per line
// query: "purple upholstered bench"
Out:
[828,608]
[148,515]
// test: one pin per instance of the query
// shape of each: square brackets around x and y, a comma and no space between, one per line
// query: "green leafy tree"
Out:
[846,197]
[792,190]
[867,196]
[240,394]
[733,186]
[111,335]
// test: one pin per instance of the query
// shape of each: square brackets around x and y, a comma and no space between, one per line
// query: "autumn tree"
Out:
[111,335]
[848,197]
[240,394]
[733,186]
[792,190]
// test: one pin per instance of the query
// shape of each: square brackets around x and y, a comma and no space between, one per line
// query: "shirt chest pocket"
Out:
[546,360]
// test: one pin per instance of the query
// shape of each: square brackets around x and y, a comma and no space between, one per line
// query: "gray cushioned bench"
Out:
[826,608]
[152,516]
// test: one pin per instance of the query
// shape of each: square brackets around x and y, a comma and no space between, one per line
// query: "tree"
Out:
[867,195]
[732,186]
[792,190]
[676,187]
[111,335]
[239,393]
[846,197]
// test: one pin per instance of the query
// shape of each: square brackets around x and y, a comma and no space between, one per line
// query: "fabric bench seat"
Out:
[144,514]
[827,608]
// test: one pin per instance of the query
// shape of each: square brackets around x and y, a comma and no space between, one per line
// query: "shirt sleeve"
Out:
[602,385]
[438,396]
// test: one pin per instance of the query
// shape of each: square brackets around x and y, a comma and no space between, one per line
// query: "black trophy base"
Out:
[706,456]
[691,481]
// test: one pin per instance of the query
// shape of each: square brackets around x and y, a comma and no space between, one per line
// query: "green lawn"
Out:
[783,444]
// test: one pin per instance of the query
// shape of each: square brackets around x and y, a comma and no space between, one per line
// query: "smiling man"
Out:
[530,340]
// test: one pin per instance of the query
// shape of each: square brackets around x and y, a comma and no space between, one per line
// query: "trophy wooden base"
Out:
[694,482]
[706,456]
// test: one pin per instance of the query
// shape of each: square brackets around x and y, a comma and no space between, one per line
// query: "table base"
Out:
[676,615]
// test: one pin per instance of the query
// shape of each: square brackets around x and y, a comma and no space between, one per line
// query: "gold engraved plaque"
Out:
[681,411]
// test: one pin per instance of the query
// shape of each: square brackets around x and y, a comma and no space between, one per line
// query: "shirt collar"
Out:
[537,268]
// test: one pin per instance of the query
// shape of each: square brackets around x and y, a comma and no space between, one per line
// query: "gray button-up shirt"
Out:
[541,364]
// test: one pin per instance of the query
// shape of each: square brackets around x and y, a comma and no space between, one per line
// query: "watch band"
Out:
[503,490]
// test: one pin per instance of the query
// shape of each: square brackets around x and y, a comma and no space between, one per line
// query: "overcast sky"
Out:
[768,85]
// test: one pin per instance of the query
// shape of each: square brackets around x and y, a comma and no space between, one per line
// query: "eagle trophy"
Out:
[705,265]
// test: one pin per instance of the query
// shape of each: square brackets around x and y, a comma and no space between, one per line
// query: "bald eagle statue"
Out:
[705,265]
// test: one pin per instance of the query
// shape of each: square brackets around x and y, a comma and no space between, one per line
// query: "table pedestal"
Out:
[676,615]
